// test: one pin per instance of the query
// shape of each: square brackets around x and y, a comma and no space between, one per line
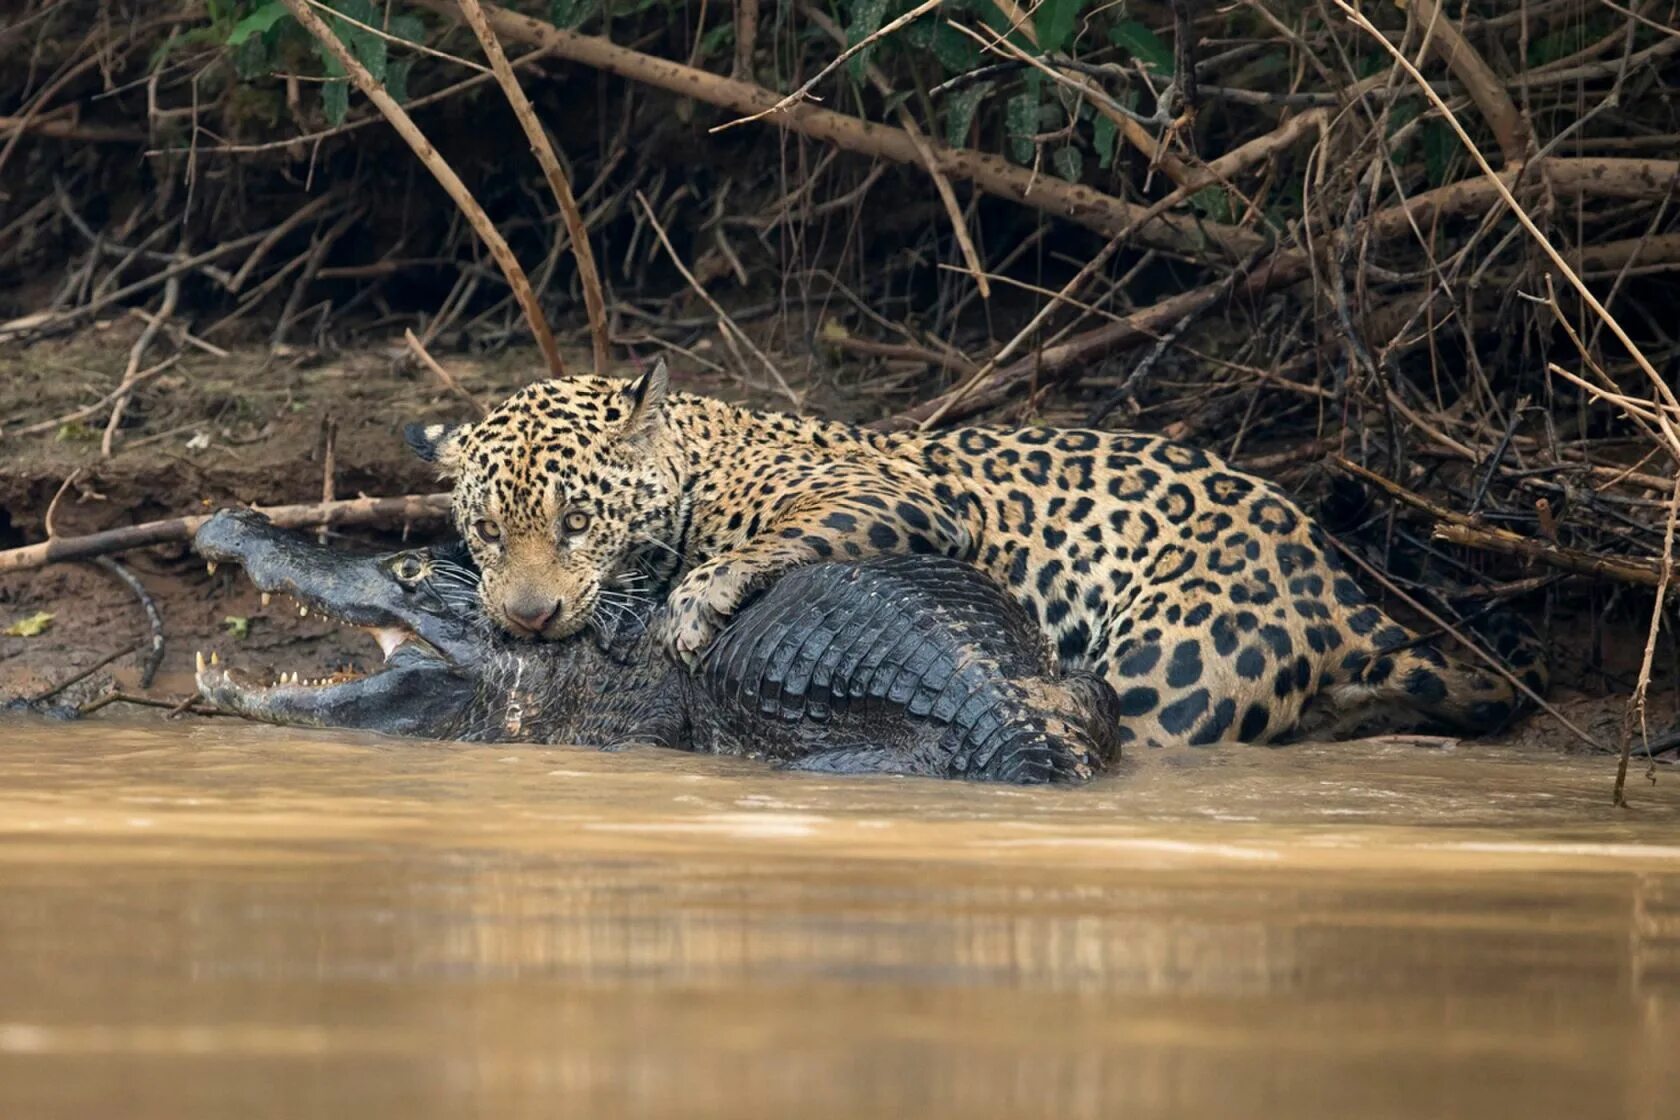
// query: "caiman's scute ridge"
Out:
[895,665]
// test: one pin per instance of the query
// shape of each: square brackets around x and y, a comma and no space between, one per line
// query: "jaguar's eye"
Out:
[410,569]
[574,521]
[487,530]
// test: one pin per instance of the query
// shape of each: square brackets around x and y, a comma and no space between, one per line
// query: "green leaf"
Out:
[407,27]
[1069,163]
[867,18]
[718,39]
[1104,134]
[1054,22]
[1401,114]
[237,625]
[259,21]
[335,100]
[955,51]
[73,431]
[250,58]
[572,14]
[1440,146]
[33,626]
[1212,203]
[1142,44]
[396,79]
[893,101]
[368,48]
[959,112]
[1021,121]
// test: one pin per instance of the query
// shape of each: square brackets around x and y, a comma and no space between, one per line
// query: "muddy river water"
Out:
[225,920]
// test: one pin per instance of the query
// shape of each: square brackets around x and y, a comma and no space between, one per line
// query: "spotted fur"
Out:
[1204,595]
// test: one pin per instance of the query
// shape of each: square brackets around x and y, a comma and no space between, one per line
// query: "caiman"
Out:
[909,665]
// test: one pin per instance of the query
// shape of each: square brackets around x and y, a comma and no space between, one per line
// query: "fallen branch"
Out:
[406,510]
[1540,239]
[1457,528]
[1468,66]
[991,389]
[442,172]
[442,374]
[589,278]
[1564,559]
[1079,204]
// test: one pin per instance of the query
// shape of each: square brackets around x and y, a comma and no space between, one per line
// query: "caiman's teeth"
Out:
[267,598]
[210,567]
[198,661]
[303,612]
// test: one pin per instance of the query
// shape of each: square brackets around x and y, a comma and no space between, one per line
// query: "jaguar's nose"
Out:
[530,615]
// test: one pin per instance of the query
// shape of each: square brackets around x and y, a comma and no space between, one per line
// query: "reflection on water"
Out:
[227,920]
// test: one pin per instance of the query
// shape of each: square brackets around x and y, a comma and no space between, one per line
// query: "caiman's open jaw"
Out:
[429,647]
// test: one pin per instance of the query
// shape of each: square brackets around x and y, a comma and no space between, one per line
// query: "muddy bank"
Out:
[246,428]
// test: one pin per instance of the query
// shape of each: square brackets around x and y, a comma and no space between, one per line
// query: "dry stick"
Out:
[746,38]
[959,224]
[1456,528]
[1636,708]
[33,109]
[171,294]
[798,95]
[320,245]
[725,323]
[70,315]
[443,173]
[1565,559]
[1521,215]
[993,174]
[88,410]
[74,130]
[1480,82]
[442,374]
[588,277]
[272,238]
[187,337]
[409,508]
[1279,271]
[83,674]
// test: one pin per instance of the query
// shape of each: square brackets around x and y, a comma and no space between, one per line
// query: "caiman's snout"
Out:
[529,614]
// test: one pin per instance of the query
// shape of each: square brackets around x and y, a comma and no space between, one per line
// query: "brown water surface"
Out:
[225,920]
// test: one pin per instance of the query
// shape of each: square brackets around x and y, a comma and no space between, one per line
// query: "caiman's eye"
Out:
[409,569]
[574,521]
[487,531]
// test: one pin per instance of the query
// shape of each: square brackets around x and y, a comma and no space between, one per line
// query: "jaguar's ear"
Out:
[438,443]
[643,396]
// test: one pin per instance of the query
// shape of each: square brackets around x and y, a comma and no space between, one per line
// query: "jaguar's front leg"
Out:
[705,601]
